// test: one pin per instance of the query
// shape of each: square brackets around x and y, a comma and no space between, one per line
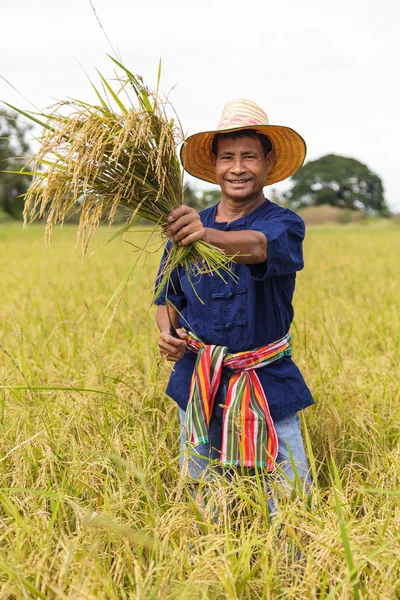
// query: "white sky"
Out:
[328,70]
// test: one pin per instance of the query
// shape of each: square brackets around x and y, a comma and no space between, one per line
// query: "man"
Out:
[247,414]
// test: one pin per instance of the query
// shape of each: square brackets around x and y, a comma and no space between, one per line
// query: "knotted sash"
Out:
[248,434]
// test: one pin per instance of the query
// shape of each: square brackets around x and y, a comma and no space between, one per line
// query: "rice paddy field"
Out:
[92,505]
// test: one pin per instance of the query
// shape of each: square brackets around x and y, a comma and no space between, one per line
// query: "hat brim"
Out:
[290,150]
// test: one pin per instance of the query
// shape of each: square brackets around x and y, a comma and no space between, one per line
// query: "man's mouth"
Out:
[238,181]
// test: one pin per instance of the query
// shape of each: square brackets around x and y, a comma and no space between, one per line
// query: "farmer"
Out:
[238,390]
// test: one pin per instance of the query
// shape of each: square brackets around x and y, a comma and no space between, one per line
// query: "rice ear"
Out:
[98,159]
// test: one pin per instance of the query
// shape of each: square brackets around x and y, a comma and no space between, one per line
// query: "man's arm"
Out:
[170,347]
[249,247]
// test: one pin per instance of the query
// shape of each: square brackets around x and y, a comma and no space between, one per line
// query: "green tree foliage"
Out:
[14,149]
[201,199]
[338,181]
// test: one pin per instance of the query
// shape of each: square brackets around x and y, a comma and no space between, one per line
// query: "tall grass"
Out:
[91,502]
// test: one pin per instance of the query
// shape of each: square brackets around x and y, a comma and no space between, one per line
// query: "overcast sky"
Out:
[328,70]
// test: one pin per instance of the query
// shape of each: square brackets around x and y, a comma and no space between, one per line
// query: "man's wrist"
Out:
[208,235]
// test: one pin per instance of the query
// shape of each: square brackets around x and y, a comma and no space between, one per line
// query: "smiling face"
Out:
[241,168]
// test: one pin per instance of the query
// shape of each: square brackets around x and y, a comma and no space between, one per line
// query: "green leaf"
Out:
[117,62]
[363,563]
[382,491]
[113,94]
[121,287]
[120,232]
[34,492]
[49,388]
[26,173]
[29,116]
[24,583]
[100,97]
[158,83]
[137,86]
[344,533]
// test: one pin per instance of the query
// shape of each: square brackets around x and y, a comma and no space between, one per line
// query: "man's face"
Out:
[241,168]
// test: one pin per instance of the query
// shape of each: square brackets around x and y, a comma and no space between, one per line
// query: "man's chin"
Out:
[239,194]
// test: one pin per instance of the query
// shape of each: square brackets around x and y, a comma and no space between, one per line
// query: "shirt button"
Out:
[228,326]
[226,226]
[229,295]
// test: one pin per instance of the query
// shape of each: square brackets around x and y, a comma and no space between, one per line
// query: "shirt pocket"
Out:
[229,316]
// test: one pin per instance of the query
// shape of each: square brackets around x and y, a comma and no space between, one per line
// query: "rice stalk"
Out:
[99,157]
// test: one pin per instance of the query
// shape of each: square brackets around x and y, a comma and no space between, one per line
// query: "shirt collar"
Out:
[237,223]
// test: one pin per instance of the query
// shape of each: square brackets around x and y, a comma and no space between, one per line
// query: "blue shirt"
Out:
[247,313]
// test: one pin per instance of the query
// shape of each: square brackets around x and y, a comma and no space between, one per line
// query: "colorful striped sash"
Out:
[248,435]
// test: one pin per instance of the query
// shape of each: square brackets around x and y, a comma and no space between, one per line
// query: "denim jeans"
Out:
[290,444]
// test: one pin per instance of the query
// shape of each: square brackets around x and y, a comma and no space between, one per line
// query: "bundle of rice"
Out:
[110,154]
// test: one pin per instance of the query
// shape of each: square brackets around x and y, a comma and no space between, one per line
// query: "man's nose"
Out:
[237,165]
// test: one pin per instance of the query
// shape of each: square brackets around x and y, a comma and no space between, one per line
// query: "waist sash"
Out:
[248,434]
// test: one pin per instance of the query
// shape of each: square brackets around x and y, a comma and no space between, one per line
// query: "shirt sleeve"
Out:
[284,247]
[172,288]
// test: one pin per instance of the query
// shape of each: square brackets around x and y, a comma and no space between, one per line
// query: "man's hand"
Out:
[185,226]
[172,348]
[248,247]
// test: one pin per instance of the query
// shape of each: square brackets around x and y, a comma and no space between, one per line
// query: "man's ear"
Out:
[213,158]
[270,158]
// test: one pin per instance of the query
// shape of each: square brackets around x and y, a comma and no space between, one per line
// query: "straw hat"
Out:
[289,146]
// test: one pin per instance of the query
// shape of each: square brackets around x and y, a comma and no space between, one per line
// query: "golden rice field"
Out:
[91,502]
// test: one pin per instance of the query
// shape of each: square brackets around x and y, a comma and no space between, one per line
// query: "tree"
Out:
[201,199]
[338,181]
[14,149]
